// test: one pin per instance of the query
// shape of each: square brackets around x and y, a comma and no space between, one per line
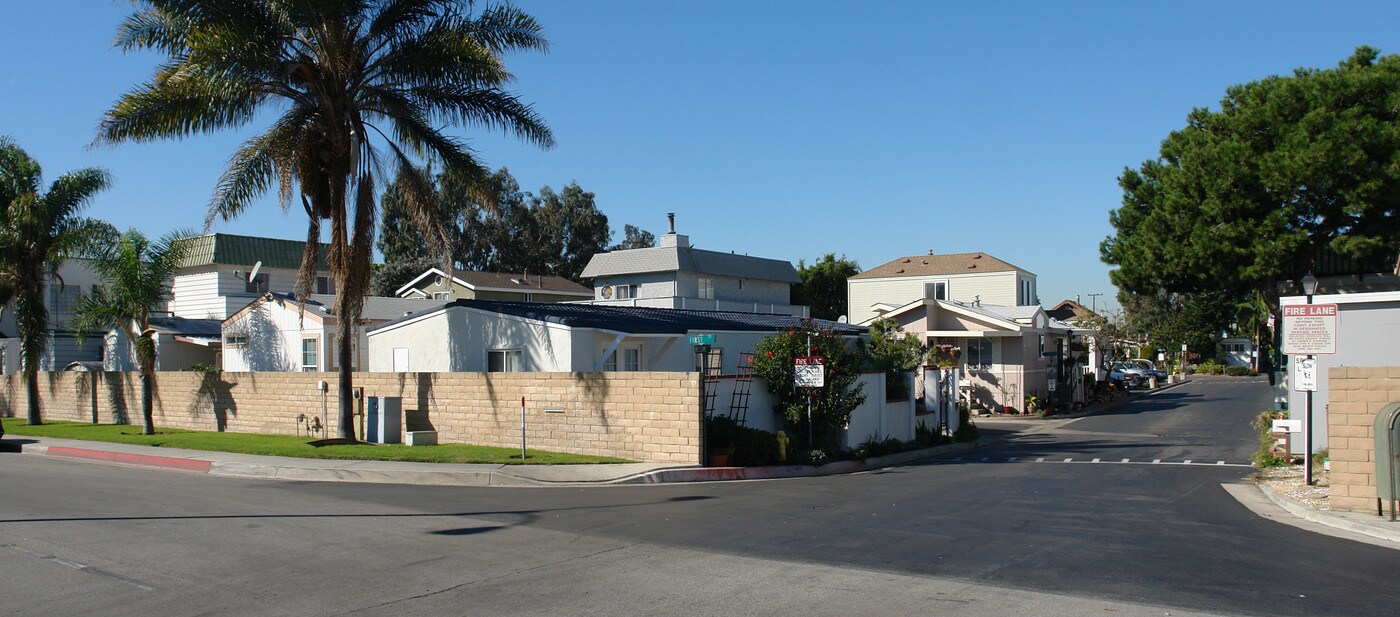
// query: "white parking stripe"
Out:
[1123,461]
[1094,461]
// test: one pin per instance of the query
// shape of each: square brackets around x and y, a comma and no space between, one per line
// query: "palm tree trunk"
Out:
[147,413]
[31,387]
[345,398]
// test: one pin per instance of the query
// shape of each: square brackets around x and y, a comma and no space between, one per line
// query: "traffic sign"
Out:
[1309,329]
[809,372]
[1305,375]
[701,339]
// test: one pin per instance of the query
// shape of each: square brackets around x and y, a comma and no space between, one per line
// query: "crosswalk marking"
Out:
[1126,461]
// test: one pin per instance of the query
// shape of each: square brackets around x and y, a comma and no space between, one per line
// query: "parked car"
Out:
[1127,374]
[1149,369]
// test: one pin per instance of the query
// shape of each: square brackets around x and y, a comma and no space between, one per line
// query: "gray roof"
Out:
[637,319]
[689,259]
[376,307]
[1009,313]
[201,328]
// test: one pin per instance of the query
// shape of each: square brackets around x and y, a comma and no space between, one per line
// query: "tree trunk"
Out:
[345,390]
[147,414]
[31,387]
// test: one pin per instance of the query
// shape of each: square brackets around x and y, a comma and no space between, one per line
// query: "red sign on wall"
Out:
[1309,329]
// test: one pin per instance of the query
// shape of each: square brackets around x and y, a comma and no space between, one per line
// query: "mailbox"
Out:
[1387,435]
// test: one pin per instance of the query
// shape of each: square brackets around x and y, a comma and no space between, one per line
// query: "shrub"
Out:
[1238,371]
[1264,456]
[1210,367]
[207,369]
[750,446]
[926,436]
[872,448]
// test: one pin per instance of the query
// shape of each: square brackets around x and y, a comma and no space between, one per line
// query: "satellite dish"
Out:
[254,273]
[842,319]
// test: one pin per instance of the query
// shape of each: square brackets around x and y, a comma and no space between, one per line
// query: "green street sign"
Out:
[701,339]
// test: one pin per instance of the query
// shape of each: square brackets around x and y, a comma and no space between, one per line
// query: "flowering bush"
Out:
[831,405]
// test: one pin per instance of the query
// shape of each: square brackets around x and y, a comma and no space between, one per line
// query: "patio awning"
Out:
[202,341]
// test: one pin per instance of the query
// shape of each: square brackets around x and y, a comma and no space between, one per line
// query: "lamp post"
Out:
[1309,283]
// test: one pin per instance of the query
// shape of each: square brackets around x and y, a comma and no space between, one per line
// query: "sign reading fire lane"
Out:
[808,372]
[1309,329]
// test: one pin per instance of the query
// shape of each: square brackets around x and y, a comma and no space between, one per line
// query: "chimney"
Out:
[671,217]
[673,239]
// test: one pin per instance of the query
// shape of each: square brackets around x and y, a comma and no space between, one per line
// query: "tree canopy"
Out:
[1248,196]
[823,285]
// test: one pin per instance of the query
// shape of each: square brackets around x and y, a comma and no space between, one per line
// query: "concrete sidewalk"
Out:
[1378,527]
[432,474]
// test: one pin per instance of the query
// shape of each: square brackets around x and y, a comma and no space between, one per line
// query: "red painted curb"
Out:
[163,462]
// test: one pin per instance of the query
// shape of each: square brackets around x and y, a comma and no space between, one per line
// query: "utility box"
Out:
[384,419]
[1387,435]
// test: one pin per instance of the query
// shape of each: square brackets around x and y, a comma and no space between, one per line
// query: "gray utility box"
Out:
[384,419]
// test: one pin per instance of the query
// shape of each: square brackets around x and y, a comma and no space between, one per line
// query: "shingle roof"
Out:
[234,250]
[689,259]
[375,307]
[202,328]
[637,319]
[934,265]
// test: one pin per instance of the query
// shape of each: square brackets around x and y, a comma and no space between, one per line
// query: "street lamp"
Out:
[1309,283]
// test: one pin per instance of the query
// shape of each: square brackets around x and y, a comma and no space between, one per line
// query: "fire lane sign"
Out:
[1309,329]
[809,372]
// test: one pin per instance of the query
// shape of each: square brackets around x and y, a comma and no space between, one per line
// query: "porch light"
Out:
[1309,283]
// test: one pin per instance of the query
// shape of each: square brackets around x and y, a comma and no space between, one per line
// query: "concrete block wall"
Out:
[1355,394]
[651,416]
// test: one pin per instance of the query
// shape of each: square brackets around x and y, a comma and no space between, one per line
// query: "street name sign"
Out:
[809,372]
[1309,329]
[701,339]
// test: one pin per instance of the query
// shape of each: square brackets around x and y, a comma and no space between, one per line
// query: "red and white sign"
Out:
[809,372]
[1309,329]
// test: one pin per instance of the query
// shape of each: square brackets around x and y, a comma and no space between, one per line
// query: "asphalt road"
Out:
[1010,529]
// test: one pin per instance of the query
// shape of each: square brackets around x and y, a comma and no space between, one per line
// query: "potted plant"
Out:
[1032,403]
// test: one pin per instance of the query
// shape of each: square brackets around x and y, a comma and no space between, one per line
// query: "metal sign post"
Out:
[1309,329]
[809,372]
[522,428]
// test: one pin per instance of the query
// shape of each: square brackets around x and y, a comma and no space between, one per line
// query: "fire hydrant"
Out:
[782,446]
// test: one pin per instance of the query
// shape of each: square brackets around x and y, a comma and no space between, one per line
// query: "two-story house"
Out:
[74,278]
[679,276]
[985,307]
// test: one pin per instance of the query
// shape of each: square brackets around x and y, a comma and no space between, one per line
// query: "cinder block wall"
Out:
[653,417]
[1354,395]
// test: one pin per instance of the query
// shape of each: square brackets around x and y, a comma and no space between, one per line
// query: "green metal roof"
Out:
[234,250]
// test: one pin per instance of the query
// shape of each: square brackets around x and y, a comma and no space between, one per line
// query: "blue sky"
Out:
[778,129]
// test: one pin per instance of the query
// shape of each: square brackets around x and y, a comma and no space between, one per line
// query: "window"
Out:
[442,295]
[936,291]
[741,284]
[1026,295]
[714,362]
[625,292]
[504,361]
[63,297]
[309,349]
[236,340]
[707,288]
[259,284]
[631,360]
[979,353]
[325,285]
[334,356]
[1042,345]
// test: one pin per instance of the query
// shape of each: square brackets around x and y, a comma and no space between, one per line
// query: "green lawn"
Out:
[283,445]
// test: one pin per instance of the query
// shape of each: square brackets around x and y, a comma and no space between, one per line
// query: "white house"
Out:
[217,278]
[678,275]
[74,278]
[276,333]
[965,277]
[180,343]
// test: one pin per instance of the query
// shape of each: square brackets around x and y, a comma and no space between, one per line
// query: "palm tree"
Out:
[137,274]
[37,231]
[358,87]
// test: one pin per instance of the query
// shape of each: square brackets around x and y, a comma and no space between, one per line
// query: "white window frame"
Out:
[624,292]
[236,340]
[506,355]
[442,295]
[705,288]
[610,363]
[934,285]
[315,365]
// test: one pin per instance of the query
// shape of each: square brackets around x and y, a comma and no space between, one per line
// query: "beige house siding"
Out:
[653,417]
[997,288]
[1355,395]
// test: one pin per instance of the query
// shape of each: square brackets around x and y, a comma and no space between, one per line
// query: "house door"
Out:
[400,359]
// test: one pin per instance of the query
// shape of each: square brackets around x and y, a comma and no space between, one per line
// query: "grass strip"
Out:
[288,445]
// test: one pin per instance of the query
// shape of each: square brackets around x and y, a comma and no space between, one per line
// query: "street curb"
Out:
[716,474]
[1330,520]
[1086,413]
[127,458]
